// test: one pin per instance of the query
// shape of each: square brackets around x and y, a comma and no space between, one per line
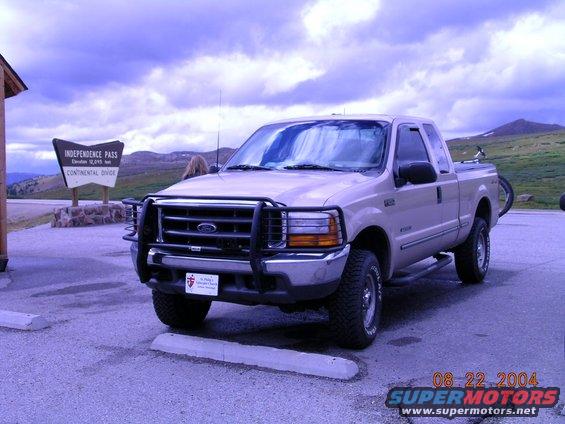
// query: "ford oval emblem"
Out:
[207,227]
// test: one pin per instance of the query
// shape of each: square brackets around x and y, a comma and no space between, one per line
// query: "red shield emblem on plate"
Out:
[191,280]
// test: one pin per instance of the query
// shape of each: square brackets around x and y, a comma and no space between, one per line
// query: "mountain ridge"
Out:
[136,163]
[161,169]
[517,127]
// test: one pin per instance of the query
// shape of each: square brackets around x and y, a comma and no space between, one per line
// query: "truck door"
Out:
[447,186]
[417,217]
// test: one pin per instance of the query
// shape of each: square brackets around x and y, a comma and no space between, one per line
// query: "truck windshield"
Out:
[340,145]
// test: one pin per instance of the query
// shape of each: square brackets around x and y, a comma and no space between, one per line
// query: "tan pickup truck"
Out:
[316,212]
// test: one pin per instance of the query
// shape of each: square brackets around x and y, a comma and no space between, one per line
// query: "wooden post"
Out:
[74,196]
[3,200]
[105,195]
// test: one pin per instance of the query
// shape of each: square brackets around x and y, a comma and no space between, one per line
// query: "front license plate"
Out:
[204,284]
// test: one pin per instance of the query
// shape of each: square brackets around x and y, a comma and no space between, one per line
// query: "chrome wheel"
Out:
[481,251]
[369,301]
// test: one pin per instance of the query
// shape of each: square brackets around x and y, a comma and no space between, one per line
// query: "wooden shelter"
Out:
[10,85]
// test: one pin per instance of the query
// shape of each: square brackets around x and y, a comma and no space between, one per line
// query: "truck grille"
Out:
[218,229]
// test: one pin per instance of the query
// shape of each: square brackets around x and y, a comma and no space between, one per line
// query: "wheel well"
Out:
[375,240]
[483,210]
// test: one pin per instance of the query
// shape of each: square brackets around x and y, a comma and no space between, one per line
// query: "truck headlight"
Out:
[313,229]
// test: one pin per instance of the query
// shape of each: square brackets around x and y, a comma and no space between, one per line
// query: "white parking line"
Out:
[20,321]
[260,356]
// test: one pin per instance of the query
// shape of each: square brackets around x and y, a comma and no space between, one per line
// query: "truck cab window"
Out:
[410,147]
[437,146]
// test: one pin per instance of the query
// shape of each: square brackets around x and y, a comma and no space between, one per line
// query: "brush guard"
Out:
[144,228]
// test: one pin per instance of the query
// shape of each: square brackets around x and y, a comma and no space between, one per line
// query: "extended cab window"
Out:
[439,151]
[411,147]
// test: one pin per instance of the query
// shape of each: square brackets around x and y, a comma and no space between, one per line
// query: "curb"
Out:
[20,321]
[535,212]
[260,356]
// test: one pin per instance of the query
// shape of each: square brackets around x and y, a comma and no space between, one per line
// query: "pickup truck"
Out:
[317,212]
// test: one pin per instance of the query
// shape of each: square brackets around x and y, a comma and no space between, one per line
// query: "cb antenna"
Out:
[219,124]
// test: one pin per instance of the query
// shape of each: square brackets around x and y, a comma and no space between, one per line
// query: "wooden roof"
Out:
[13,84]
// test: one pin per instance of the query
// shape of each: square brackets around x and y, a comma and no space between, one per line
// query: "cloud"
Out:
[151,75]
[240,76]
[325,20]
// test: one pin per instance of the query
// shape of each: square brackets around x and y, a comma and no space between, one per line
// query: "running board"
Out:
[442,260]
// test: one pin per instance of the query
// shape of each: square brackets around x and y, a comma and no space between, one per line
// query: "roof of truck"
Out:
[361,117]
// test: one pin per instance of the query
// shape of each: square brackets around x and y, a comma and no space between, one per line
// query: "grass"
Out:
[29,222]
[534,164]
[136,186]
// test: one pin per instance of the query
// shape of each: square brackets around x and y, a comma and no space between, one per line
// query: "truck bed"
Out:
[475,178]
[465,167]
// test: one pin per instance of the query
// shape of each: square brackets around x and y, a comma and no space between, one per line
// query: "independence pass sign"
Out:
[80,165]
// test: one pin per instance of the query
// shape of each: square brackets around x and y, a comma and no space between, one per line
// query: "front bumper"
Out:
[291,277]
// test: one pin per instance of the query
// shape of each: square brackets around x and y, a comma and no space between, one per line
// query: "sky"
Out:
[149,73]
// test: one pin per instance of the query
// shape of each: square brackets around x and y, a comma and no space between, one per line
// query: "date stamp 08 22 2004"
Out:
[515,394]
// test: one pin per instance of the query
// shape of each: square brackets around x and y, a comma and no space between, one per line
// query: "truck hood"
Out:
[292,188]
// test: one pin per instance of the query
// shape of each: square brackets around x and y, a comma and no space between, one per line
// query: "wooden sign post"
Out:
[80,165]
[74,196]
[10,85]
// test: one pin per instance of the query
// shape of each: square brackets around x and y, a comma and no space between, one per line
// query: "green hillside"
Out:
[534,164]
[137,186]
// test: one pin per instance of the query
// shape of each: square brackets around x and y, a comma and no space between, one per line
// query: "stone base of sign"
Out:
[82,216]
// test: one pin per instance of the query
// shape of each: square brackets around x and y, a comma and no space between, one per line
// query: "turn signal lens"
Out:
[329,239]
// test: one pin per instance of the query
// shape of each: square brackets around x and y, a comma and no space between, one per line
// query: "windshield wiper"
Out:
[247,167]
[311,166]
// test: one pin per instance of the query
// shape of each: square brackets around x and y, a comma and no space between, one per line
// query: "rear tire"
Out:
[355,307]
[472,257]
[505,189]
[177,311]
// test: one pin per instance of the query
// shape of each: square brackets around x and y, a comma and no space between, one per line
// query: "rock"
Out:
[88,215]
[525,198]
[75,211]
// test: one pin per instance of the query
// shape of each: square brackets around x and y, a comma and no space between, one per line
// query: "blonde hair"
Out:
[196,166]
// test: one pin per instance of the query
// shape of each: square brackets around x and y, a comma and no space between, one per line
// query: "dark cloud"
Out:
[91,67]
[86,44]
[411,21]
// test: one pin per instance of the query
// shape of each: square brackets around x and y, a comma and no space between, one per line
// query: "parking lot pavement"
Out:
[94,362]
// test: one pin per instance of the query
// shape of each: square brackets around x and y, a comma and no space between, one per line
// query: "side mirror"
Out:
[418,173]
[213,169]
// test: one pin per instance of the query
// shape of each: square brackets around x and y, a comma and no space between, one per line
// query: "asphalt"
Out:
[94,363]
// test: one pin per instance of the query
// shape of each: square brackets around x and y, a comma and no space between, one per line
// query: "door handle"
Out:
[439,194]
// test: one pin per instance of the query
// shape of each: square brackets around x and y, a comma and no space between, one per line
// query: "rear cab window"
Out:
[438,148]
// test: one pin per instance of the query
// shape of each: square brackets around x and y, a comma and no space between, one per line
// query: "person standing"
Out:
[196,167]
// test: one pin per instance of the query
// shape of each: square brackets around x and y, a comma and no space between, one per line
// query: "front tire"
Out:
[472,257]
[355,307]
[179,312]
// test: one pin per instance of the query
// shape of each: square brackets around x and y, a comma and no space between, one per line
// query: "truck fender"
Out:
[368,224]
[484,195]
